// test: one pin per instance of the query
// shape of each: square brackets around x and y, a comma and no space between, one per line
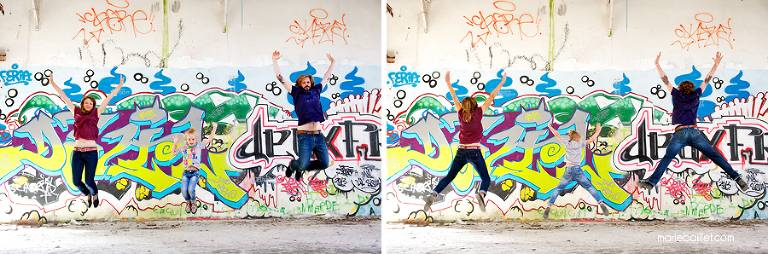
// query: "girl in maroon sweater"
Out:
[86,130]
[470,133]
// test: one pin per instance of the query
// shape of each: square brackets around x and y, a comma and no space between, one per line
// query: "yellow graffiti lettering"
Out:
[147,114]
[438,165]
[532,117]
[604,183]
[155,178]
[218,178]
[522,170]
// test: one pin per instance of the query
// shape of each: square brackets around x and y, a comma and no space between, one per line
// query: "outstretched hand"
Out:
[717,58]
[330,57]
[276,55]
[657,58]
[448,77]
[175,139]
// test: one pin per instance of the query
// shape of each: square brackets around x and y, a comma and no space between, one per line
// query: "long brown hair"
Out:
[573,135]
[82,102]
[686,87]
[301,78]
[468,104]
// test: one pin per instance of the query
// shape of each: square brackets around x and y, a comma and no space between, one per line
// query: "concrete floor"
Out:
[578,237]
[288,235]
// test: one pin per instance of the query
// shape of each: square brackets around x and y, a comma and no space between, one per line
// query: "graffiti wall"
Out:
[188,64]
[573,65]
[243,170]
[526,161]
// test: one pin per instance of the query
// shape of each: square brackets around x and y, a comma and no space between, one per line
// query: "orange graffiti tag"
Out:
[500,23]
[95,24]
[704,33]
[318,31]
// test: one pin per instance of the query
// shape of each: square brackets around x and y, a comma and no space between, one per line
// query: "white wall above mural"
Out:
[574,35]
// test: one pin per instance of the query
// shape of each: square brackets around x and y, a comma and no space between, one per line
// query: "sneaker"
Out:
[546,213]
[604,208]
[430,198]
[288,171]
[645,184]
[742,184]
[189,208]
[194,207]
[298,176]
[481,200]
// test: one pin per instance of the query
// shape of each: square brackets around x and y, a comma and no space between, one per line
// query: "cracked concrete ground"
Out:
[578,237]
[280,235]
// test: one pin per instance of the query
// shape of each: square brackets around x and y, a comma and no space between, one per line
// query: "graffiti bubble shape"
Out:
[72,90]
[308,71]
[506,93]
[367,178]
[461,91]
[353,84]
[236,84]
[546,87]
[153,116]
[106,86]
[737,90]
[622,87]
[162,85]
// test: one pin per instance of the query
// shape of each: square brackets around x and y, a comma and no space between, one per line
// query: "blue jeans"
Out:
[690,137]
[89,161]
[574,173]
[188,184]
[308,144]
[464,156]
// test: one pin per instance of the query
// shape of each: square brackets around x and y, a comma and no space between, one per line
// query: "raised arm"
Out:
[173,148]
[456,102]
[663,75]
[327,75]
[105,103]
[287,84]
[213,133]
[557,135]
[598,128]
[63,95]
[717,59]
[489,101]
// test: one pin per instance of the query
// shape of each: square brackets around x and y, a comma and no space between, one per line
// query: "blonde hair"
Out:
[191,131]
[468,104]
[573,135]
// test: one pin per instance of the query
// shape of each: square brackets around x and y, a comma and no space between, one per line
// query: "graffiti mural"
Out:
[242,172]
[526,161]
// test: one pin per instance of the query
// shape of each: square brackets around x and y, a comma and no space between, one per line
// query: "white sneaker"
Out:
[481,200]
[430,198]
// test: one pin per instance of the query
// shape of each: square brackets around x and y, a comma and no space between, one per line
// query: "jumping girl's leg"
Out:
[91,159]
[458,162]
[477,160]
